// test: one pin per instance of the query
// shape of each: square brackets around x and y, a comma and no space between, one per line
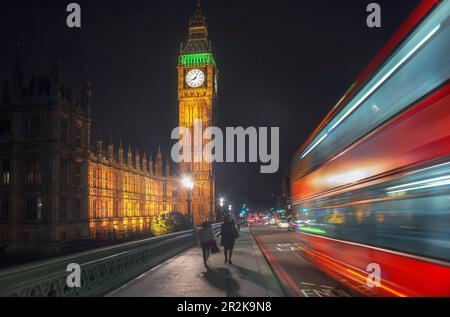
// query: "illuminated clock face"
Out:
[195,78]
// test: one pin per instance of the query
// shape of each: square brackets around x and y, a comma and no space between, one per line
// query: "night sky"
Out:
[282,63]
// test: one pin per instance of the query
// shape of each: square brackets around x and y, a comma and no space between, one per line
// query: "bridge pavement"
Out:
[185,275]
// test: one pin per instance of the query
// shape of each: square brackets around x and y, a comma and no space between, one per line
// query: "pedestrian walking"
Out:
[229,234]
[206,237]
[239,224]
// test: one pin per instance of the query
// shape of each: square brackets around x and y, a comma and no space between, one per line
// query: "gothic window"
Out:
[33,208]
[33,172]
[96,209]
[110,209]
[90,175]
[4,208]
[33,126]
[111,179]
[6,172]
[104,209]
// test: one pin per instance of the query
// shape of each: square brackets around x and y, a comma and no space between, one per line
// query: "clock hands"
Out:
[195,78]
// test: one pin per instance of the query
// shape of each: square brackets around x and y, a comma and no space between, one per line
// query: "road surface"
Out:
[299,276]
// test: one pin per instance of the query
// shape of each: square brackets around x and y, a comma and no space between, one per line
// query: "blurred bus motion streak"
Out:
[373,180]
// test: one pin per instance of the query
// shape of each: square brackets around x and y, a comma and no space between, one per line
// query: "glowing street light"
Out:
[187,182]
[221,204]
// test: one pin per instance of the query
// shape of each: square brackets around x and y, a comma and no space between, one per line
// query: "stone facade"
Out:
[55,187]
[44,152]
[124,195]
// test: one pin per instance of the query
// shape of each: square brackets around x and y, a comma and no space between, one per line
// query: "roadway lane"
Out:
[295,272]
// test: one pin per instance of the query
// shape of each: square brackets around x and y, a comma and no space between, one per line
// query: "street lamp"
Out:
[188,183]
[221,203]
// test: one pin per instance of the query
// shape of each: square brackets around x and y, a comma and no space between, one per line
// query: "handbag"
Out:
[235,233]
[214,247]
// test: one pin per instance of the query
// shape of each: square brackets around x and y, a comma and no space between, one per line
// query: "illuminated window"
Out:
[33,172]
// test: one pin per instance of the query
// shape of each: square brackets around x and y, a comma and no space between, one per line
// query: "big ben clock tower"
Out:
[197,91]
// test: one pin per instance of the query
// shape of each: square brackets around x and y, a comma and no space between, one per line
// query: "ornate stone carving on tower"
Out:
[197,92]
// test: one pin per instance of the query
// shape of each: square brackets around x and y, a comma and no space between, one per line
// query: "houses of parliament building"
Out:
[57,186]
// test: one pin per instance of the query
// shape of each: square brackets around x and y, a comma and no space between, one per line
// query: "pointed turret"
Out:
[150,165]
[137,159]
[110,152]
[100,146]
[167,168]
[144,163]
[129,157]
[159,163]
[120,158]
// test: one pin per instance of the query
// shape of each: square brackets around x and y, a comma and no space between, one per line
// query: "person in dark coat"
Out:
[206,238]
[229,234]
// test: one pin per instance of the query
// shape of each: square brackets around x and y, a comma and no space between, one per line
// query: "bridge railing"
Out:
[102,270]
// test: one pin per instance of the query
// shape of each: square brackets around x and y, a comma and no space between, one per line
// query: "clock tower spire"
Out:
[197,94]
[198,33]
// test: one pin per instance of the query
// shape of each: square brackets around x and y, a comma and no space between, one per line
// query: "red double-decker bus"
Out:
[373,180]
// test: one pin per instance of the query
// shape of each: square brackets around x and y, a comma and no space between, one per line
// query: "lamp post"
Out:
[221,203]
[189,185]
